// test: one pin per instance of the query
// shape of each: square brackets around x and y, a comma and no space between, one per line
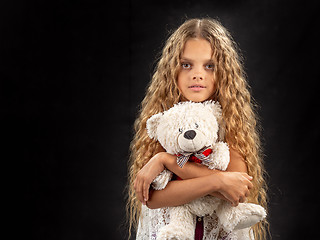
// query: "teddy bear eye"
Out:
[196,125]
[180,130]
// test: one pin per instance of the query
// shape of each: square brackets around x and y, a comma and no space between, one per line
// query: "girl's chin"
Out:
[197,98]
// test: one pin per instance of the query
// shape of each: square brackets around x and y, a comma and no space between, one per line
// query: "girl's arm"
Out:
[200,181]
[183,191]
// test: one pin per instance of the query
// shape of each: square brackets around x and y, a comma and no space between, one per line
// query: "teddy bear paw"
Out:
[248,222]
[255,213]
[243,216]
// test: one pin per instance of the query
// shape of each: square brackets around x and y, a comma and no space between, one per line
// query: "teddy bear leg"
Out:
[181,226]
[243,216]
[203,206]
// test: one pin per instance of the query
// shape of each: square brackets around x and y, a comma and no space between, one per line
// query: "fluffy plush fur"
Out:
[184,129]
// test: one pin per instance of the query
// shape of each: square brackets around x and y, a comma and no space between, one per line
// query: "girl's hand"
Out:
[146,175]
[234,186]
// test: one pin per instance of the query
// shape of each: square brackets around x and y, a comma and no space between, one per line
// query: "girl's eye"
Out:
[209,66]
[196,125]
[185,65]
[180,130]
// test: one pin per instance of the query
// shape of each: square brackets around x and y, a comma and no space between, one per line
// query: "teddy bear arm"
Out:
[161,181]
[220,156]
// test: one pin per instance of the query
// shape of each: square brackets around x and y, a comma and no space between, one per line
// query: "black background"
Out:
[74,72]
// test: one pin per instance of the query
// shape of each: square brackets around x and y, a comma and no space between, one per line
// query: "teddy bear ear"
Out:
[217,112]
[152,125]
[216,108]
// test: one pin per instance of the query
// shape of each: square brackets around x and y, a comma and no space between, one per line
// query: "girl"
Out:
[199,62]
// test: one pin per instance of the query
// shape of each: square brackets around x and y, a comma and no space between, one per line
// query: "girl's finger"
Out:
[139,192]
[145,192]
[247,176]
[235,204]
[242,199]
[247,194]
[229,199]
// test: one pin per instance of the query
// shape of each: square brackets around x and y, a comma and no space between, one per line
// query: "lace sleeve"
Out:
[151,220]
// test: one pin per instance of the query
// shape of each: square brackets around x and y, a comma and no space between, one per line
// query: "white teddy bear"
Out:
[187,129]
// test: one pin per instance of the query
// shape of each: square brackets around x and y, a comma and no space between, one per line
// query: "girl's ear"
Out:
[152,125]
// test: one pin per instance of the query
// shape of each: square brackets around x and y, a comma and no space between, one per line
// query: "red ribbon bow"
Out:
[200,156]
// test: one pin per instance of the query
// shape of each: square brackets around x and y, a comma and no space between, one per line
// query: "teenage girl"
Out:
[199,62]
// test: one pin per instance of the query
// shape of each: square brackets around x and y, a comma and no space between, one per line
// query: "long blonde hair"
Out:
[232,91]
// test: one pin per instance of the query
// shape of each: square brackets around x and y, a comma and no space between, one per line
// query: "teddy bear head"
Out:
[186,127]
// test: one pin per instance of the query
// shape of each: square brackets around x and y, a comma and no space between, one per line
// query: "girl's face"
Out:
[196,79]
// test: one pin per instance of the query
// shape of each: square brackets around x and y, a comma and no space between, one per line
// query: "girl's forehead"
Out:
[197,49]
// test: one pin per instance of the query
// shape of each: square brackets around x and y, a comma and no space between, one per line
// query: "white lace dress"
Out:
[151,220]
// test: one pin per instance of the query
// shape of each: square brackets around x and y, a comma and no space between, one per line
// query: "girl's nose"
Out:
[197,77]
[198,74]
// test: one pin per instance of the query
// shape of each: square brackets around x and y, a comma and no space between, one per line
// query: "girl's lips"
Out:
[197,87]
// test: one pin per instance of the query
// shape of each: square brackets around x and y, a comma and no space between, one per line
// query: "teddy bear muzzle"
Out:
[191,140]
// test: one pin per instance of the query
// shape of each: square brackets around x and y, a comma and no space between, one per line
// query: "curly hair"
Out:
[232,92]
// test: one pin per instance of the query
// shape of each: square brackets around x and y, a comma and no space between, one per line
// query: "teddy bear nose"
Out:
[190,134]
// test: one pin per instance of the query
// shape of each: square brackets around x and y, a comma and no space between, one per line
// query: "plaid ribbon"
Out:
[202,155]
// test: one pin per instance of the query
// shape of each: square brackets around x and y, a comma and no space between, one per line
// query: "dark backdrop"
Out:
[74,72]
